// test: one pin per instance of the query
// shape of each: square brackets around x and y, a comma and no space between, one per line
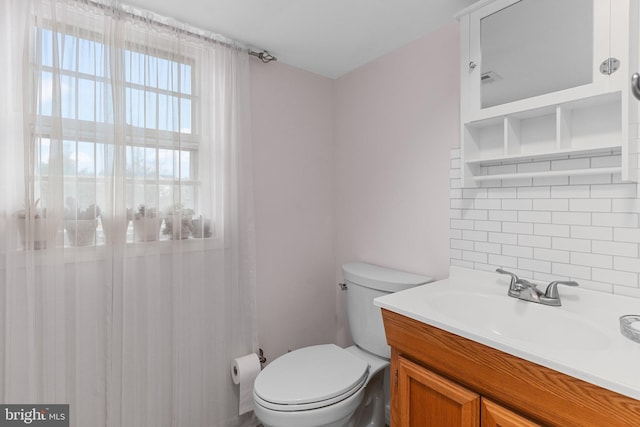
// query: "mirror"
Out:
[535,47]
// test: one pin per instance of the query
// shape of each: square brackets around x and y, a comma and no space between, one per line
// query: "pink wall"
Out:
[396,119]
[292,135]
[349,169]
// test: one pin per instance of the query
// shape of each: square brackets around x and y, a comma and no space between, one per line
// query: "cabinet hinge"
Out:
[396,375]
[609,66]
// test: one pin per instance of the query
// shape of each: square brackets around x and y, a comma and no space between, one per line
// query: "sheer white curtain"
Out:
[126,217]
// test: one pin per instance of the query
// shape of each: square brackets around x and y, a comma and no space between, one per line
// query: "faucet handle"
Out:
[514,278]
[552,288]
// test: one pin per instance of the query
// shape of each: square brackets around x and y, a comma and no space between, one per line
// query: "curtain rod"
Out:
[186,29]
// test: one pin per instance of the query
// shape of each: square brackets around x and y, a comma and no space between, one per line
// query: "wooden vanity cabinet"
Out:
[428,399]
[441,379]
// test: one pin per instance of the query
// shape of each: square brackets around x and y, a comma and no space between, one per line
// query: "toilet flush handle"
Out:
[343,286]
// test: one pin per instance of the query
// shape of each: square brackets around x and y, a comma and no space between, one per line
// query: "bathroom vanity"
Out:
[466,354]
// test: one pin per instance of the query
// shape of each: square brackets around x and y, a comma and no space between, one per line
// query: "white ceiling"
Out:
[328,37]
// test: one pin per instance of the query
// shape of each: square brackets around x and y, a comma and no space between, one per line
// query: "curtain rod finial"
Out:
[264,56]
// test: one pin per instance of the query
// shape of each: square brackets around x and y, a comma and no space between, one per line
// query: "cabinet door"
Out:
[429,400]
[526,54]
[494,415]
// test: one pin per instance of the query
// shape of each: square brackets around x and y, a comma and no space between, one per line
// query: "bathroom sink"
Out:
[581,338]
[517,320]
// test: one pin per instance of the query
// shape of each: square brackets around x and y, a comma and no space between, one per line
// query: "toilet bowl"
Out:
[328,386]
[321,385]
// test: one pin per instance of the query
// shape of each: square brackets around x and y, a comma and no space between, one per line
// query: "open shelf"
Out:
[550,155]
[545,174]
[494,148]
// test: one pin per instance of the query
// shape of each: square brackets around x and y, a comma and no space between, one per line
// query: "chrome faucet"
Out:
[528,291]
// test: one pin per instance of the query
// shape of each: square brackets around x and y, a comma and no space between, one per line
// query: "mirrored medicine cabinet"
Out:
[545,80]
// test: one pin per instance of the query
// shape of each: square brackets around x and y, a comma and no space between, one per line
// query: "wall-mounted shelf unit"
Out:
[557,133]
[525,144]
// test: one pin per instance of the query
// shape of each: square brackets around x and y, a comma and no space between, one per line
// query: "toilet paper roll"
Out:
[244,371]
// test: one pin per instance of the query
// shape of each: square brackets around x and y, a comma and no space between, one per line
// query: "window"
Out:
[104,114]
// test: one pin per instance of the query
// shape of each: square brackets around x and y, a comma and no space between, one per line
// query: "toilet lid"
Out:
[311,374]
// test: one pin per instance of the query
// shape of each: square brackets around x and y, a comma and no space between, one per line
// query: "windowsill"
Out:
[102,251]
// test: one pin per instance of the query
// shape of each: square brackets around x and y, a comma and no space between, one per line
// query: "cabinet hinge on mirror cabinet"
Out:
[609,66]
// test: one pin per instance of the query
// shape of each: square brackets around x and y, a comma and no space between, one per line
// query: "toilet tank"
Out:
[365,282]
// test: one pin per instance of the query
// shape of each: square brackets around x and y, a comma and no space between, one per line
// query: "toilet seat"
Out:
[310,378]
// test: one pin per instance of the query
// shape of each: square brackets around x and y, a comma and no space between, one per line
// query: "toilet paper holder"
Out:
[261,358]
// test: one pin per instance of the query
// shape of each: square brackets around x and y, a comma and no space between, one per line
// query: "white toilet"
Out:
[325,385]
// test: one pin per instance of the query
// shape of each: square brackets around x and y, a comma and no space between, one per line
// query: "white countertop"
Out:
[594,349]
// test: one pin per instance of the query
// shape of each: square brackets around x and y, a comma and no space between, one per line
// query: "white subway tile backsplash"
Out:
[460,263]
[618,191]
[511,216]
[557,230]
[590,205]
[517,182]
[517,251]
[534,265]
[551,205]
[606,161]
[487,203]
[517,227]
[551,180]
[551,255]
[626,291]
[571,271]
[476,236]
[475,214]
[508,238]
[487,225]
[626,264]
[592,260]
[615,219]
[534,192]
[571,218]
[567,244]
[502,193]
[615,277]
[461,244]
[503,261]
[570,192]
[474,193]
[474,256]
[593,233]
[590,179]
[534,216]
[626,235]
[455,234]
[517,205]
[615,248]
[489,248]
[461,203]
[584,228]
[596,286]
[625,205]
[462,224]
[534,241]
